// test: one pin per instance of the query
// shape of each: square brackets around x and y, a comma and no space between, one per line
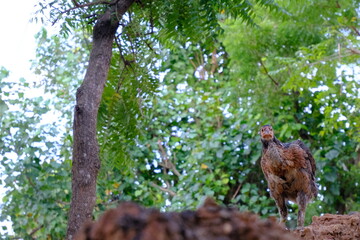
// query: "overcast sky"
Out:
[17,42]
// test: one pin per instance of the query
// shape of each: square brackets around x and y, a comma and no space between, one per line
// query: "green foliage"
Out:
[189,86]
[37,185]
[35,139]
[174,21]
[131,82]
[190,149]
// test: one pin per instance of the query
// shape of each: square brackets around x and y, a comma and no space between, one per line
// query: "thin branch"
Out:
[62,202]
[166,161]
[355,51]
[172,193]
[170,166]
[219,122]
[148,45]
[193,63]
[267,73]
[214,63]
[77,5]
[36,229]
[236,192]
[31,182]
[338,4]
[124,62]
[334,57]
[355,30]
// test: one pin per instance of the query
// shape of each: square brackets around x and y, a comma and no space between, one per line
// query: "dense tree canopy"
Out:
[189,85]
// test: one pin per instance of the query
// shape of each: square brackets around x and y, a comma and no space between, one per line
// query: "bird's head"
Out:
[266,133]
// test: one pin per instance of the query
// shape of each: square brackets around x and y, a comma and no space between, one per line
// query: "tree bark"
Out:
[86,162]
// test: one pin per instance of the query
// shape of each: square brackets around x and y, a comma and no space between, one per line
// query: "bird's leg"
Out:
[280,202]
[301,201]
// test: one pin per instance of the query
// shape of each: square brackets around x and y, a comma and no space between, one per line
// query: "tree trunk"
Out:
[86,162]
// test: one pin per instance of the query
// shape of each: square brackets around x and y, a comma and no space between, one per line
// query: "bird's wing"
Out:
[309,156]
[264,168]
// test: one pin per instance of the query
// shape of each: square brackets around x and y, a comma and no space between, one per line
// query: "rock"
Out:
[209,222]
[331,226]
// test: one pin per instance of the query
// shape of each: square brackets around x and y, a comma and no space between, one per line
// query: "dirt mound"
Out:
[210,222]
[331,226]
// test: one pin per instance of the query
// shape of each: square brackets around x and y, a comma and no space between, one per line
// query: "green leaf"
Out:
[332,154]
[3,108]
[138,193]
[330,176]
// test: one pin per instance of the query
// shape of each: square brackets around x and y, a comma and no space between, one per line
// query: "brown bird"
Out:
[289,169]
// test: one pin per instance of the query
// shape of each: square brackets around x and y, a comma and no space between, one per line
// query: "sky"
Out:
[17,44]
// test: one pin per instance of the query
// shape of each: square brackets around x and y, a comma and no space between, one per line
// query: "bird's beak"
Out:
[267,135]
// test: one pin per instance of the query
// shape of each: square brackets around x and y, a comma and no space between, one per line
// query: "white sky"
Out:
[17,42]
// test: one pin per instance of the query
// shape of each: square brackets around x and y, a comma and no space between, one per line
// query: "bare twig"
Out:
[148,45]
[355,51]
[166,161]
[236,192]
[172,193]
[355,30]
[219,122]
[77,5]
[62,202]
[31,182]
[193,63]
[125,65]
[267,73]
[338,4]
[214,63]
[334,57]
[36,229]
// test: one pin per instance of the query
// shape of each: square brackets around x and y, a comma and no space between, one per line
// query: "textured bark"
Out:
[86,162]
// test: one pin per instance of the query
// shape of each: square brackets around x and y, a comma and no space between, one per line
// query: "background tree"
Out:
[180,112]
[169,17]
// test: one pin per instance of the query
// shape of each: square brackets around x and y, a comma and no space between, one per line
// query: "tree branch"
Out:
[36,229]
[350,52]
[166,161]
[355,51]
[77,5]
[172,193]
[355,30]
[236,192]
[267,73]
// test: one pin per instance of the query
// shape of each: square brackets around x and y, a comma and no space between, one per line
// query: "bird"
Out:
[289,170]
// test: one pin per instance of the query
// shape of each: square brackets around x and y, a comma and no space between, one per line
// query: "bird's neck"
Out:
[266,143]
[272,149]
